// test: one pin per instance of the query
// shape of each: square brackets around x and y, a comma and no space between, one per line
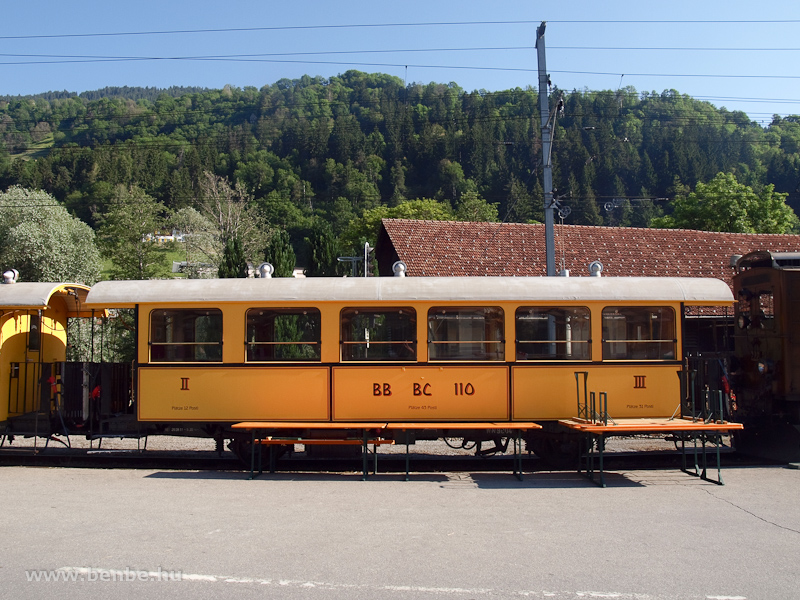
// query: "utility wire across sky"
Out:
[488,48]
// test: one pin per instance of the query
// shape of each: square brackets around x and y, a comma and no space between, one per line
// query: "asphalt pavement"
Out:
[660,534]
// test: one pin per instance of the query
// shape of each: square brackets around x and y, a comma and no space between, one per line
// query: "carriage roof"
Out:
[38,295]
[693,291]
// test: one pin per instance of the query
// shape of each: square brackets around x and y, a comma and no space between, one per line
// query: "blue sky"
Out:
[754,65]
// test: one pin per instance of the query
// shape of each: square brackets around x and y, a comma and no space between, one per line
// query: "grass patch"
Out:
[36,149]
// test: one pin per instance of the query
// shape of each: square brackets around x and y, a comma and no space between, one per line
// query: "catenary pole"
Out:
[547,166]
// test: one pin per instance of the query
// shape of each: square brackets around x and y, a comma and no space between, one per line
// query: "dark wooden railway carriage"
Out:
[765,370]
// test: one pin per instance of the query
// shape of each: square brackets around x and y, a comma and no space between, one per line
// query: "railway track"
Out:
[421,462]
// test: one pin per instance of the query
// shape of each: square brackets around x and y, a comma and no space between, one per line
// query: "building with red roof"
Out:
[454,248]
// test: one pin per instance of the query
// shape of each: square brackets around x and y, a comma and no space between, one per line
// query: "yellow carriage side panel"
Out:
[24,383]
[222,393]
[546,392]
[420,393]
[13,338]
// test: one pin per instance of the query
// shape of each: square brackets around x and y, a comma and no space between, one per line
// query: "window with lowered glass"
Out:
[34,333]
[765,315]
[283,334]
[466,333]
[550,333]
[186,335]
[384,334]
[639,333]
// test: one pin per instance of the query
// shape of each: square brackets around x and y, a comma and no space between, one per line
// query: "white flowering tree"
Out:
[40,239]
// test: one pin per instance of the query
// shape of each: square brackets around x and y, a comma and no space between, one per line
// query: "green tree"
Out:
[323,251]
[472,207]
[110,339]
[520,205]
[366,227]
[724,204]
[645,210]
[280,254]
[234,264]
[40,239]
[453,182]
[127,233]
[200,243]
[5,162]
[583,204]
[231,211]
[298,147]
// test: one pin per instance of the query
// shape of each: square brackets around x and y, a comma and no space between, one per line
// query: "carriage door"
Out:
[25,366]
[33,363]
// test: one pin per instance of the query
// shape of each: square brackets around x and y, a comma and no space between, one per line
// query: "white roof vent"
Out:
[11,276]
[399,269]
[265,270]
[595,268]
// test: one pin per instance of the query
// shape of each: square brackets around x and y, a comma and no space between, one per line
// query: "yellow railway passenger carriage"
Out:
[406,350]
[33,342]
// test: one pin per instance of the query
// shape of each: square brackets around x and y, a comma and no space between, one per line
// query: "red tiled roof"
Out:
[441,248]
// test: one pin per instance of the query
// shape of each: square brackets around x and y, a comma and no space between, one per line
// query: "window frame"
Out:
[634,348]
[214,345]
[464,311]
[252,345]
[582,312]
[34,342]
[410,346]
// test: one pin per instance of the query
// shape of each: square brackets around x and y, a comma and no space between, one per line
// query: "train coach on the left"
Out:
[33,345]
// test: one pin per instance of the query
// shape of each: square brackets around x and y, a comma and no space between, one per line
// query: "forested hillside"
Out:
[331,148]
[129,93]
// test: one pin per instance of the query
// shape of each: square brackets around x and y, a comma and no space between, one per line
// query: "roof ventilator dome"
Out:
[595,268]
[265,270]
[11,276]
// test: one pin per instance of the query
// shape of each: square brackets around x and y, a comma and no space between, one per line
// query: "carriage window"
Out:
[743,308]
[639,333]
[379,334]
[756,310]
[763,310]
[469,333]
[283,334]
[34,333]
[545,333]
[186,335]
